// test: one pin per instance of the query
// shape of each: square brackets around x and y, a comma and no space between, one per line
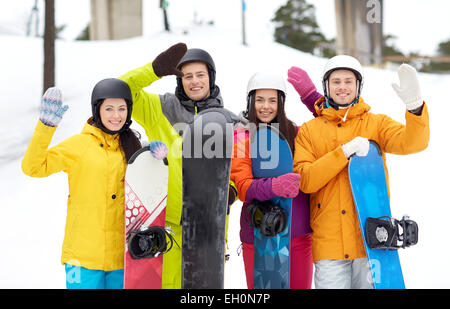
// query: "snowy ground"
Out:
[32,211]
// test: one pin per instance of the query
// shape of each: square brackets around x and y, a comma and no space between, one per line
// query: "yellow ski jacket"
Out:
[95,164]
[320,161]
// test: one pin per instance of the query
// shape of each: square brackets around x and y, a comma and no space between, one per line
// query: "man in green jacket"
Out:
[164,116]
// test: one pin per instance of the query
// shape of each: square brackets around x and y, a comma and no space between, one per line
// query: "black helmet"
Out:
[198,55]
[110,88]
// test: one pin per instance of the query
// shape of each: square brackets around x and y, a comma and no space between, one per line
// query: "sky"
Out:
[419,26]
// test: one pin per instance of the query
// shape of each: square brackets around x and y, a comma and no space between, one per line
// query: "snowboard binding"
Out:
[271,219]
[150,242]
[391,234]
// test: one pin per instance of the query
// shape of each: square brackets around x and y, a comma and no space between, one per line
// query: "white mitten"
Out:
[358,146]
[409,89]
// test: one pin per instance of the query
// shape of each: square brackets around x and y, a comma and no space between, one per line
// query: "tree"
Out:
[327,48]
[34,14]
[389,48]
[84,34]
[49,45]
[297,26]
[443,50]
[163,4]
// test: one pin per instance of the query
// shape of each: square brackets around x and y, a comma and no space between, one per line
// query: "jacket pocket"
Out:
[70,230]
[316,206]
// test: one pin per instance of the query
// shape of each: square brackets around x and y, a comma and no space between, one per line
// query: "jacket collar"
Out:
[331,114]
[105,139]
[214,100]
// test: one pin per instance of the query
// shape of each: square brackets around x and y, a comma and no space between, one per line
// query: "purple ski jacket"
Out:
[261,188]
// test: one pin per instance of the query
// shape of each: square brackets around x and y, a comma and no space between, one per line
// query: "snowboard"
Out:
[370,194]
[146,180]
[271,157]
[207,151]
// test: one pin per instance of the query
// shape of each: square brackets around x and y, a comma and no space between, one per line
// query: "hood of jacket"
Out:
[108,140]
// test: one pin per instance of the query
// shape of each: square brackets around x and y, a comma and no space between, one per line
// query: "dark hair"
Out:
[130,142]
[286,126]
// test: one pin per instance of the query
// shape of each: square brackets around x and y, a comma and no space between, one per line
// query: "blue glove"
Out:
[52,109]
[158,149]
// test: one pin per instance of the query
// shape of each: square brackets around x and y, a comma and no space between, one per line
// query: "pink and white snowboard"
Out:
[146,181]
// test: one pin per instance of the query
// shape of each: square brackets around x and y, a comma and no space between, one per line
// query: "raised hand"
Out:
[301,81]
[409,89]
[166,62]
[52,109]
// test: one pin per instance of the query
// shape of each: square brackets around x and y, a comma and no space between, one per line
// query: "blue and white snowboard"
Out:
[370,194]
[272,157]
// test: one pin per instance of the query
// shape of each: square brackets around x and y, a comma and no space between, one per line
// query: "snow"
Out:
[33,210]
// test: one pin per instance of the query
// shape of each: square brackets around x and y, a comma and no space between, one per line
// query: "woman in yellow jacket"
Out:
[95,161]
[323,147]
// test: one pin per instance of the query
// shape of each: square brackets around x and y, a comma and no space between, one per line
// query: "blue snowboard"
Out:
[370,194]
[271,157]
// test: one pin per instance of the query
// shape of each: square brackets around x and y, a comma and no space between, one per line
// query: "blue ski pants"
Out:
[78,277]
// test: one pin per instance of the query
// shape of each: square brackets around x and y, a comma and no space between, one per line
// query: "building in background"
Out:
[115,19]
[359,27]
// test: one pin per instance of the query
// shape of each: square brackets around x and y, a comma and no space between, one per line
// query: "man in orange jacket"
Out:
[323,147]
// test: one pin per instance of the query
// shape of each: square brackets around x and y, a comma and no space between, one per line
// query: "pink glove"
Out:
[301,82]
[286,185]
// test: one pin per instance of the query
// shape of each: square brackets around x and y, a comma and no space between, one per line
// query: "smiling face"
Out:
[195,80]
[342,86]
[113,113]
[266,104]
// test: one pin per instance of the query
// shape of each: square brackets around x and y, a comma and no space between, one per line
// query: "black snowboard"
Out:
[207,151]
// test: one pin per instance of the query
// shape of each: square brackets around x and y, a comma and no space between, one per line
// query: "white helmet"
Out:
[266,80]
[347,63]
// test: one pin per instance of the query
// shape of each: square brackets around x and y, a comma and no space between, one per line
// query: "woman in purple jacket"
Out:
[265,96]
